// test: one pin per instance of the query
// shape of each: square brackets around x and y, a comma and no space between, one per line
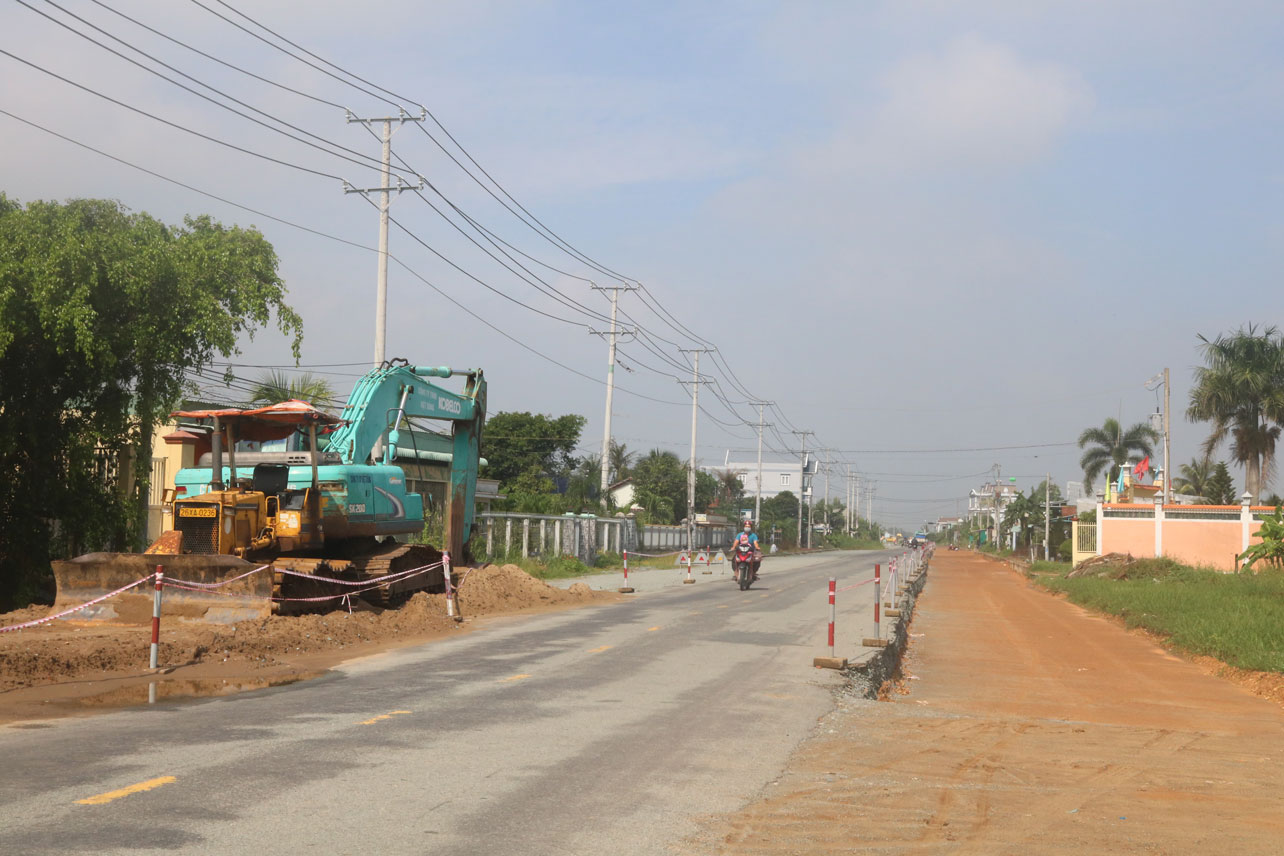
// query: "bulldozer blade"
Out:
[93,575]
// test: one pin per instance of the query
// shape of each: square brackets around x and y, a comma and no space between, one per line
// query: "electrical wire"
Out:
[357,157]
[213,58]
[168,123]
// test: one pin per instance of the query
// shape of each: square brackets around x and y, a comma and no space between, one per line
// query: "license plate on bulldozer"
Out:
[198,512]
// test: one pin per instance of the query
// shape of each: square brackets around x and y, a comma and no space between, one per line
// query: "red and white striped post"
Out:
[156,613]
[878,599]
[688,580]
[450,592]
[626,588]
[833,589]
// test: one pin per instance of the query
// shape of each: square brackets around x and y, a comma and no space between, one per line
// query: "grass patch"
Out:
[1237,618]
[847,542]
[1040,568]
[551,568]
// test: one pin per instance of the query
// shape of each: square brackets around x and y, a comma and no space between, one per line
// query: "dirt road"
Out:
[1027,725]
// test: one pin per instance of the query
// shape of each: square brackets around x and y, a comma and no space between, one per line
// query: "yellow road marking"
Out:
[723,606]
[514,678]
[649,629]
[383,716]
[600,650]
[124,792]
[764,595]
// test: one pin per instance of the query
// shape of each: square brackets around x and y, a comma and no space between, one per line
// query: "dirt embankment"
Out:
[66,652]
[1025,725]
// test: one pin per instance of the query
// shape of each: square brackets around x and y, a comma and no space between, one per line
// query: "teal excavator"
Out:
[325,519]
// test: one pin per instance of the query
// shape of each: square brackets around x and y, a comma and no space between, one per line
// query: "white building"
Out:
[777,477]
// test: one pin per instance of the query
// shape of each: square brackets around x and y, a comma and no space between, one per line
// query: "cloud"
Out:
[974,105]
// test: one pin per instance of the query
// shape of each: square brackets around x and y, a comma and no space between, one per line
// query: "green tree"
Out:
[1193,477]
[584,484]
[277,386]
[729,492]
[1221,488]
[1109,448]
[1240,391]
[102,313]
[619,462]
[526,451]
[780,511]
[660,486]
[706,491]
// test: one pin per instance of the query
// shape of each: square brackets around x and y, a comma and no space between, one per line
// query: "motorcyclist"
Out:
[747,535]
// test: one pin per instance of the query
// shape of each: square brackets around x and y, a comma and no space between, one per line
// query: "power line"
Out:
[359,158]
[221,62]
[167,122]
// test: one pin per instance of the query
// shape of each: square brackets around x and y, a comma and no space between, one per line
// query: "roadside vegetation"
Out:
[1236,618]
[559,567]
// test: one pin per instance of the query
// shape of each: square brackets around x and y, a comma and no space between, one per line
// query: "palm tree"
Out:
[1241,391]
[619,461]
[277,386]
[730,487]
[1111,446]
[1194,477]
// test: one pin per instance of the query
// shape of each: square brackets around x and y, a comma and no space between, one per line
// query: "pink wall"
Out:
[1215,543]
[1129,535]
[1209,543]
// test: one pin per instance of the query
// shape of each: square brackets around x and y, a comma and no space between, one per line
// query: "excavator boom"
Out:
[324,513]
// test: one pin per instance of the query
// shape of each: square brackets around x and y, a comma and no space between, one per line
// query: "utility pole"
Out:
[998,507]
[827,463]
[757,501]
[802,487]
[873,489]
[610,381]
[384,188]
[1047,515]
[847,502]
[691,466]
[1168,474]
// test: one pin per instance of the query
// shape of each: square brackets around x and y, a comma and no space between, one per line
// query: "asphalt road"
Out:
[602,730]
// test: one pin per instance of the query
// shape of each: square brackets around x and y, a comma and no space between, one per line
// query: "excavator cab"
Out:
[338,509]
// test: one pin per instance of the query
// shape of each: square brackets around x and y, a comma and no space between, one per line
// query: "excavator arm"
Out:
[386,396]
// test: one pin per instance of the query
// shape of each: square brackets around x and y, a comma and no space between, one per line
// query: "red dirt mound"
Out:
[66,650]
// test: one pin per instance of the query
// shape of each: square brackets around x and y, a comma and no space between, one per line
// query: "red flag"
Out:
[1143,467]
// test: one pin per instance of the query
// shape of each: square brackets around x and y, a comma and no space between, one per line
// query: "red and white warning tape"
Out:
[193,585]
[74,609]
[362,586]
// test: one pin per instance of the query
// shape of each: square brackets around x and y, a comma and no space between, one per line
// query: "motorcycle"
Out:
[744,561]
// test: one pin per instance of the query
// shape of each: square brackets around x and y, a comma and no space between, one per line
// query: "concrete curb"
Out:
[873,667]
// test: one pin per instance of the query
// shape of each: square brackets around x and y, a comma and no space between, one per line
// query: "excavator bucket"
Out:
[86,578]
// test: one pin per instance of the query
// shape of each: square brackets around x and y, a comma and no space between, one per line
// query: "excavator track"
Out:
[394,559]
[290,592]
[294,595]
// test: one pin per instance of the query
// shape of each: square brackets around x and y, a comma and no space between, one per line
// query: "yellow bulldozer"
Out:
[271,532]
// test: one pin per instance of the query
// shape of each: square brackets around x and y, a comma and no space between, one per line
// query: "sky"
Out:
[941,236]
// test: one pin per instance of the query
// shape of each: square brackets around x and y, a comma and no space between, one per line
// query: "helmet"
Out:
[749,524]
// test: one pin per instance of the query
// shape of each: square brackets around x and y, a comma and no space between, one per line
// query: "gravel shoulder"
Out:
[1025,724]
